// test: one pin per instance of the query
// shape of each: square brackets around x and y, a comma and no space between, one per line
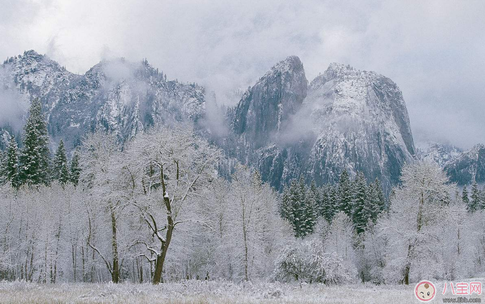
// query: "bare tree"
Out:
[176,168]
[100,172]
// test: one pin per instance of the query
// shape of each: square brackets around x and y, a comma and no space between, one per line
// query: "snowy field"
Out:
[205,292]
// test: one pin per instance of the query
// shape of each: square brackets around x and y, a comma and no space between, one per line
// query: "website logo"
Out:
[425,291]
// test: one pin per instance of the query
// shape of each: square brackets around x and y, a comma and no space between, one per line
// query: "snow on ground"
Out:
[206,292]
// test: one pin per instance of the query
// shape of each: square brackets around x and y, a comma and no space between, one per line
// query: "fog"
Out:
[13,106]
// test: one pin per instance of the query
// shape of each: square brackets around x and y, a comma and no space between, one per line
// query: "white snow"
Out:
[208,292]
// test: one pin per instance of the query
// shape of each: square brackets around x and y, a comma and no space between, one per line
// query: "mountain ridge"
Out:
[117,95]
[284,125]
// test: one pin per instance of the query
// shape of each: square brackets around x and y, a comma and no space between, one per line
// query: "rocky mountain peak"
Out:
[265,108]
[287,67]
[31,62]
[118,95]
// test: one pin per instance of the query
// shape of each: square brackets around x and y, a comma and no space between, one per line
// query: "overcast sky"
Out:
[434,50]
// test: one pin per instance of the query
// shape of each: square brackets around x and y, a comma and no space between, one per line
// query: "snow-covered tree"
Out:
[339,239]
[476,230]
[325,207]
[176,166]
[416,215]
[457,237]
[75,169]
[313,200]
[332,203]
[101,179]
[466,199]
[361,205]
[482,198]
[2,167]
[300,212]
[11,163]
[256,228]
[60,170]
[475,202]
[345,193]
[34,157]
[376,200]
[373,254]
[307,261]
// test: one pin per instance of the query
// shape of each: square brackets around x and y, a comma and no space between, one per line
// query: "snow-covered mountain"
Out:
[442,154]
[468,167]
[345,119]
[283,125]
[462,167]
[118,95]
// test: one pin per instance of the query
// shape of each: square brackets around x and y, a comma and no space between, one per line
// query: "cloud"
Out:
[118,70]
[432,49]
[13,108]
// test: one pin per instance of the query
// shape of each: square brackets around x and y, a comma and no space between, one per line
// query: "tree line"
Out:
[32,164]
[475,199]
[303,205]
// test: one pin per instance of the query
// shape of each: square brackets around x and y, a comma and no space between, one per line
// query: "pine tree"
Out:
[334,202]
[11,165]
[316,195]
[465,199]
[376,200]
[475,203]
[345,194]
[34,158]
[2,167]
[312,199]
[362,208]
[297,210]
[75,170]
[290,206]
[482,198]
[381,199]
[60,171]
[286,207]
[325,207]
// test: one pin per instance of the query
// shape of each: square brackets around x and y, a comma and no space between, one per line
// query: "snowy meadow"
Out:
[202,292]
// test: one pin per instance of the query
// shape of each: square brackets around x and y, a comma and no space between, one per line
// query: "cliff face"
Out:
[362,125]
[265,108]
[345,119]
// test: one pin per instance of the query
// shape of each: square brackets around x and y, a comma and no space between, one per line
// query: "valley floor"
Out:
[207,292]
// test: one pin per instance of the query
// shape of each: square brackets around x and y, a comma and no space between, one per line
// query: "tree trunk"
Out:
[115,273]
[407,268]
[44,280]
[419,225]
[246,257]
[58,240]
[73,253]
[141,272]
[93,267]
[83,257]
[157,278]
